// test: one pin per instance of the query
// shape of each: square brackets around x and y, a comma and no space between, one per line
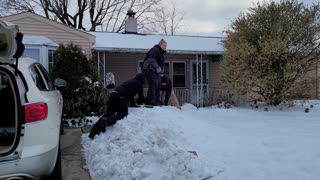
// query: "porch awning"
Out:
[38,41]
[137,43]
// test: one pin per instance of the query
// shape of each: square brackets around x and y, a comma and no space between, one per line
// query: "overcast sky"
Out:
[212,17]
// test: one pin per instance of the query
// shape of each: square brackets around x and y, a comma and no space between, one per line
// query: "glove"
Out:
[97,128]
[159,70]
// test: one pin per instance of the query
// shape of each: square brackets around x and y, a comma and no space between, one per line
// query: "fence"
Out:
[210,97]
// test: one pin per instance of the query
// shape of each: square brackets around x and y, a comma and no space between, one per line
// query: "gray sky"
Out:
[212,17]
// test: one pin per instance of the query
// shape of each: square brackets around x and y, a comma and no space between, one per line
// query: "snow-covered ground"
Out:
[231,144]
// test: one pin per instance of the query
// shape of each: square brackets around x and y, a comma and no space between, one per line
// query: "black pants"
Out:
[117,109]
[167,95]
[153,80]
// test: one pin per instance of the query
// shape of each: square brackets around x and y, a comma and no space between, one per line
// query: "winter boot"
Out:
[97,128]
[152,103]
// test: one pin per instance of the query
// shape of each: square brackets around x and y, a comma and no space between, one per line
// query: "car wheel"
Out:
[57,171]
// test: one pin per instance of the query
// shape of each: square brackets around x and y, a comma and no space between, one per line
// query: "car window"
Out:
[37,78]
[46,77]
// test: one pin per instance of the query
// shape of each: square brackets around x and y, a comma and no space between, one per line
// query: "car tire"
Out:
[57,171]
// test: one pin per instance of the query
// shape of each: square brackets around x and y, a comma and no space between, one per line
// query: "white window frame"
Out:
[138,66]
[185,73]
[191,71]
[50,49]
[170,70]
[35,47]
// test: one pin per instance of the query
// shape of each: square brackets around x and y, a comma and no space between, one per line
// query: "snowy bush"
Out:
[83,95]
[271,48]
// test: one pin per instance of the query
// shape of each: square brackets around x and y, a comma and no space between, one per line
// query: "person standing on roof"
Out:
[152,67]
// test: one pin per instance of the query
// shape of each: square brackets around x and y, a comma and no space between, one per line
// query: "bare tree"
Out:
[110,15]
[62,11]
[114,15]
[8,7]
[169,19]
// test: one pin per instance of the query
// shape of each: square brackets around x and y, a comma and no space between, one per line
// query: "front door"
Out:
[199,83]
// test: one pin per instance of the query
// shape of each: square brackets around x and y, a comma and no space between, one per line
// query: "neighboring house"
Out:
[41,49]
[36,25]
[123,54]
[192,62]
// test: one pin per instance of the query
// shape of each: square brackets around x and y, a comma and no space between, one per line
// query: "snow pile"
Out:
[289,106]
[143,146]
[231,144]
[80,122]
[188,107]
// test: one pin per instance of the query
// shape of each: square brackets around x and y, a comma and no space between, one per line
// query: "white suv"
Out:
[30,113]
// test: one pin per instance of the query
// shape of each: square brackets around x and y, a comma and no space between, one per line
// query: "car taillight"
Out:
[35,112]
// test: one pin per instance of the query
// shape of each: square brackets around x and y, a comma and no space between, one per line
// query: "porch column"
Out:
[317,80]
[201,84]
[197,77]
[98,63]
[104,69]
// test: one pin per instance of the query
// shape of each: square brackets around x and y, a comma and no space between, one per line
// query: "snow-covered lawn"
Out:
[231,144]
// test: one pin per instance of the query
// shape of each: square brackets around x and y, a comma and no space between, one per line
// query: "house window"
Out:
[33,53]
[204,73]
[50,59]
[140,64]
[179,74]
[165,67]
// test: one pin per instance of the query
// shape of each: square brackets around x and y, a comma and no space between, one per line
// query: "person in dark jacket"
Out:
[166,87]
[152,67]
[119,102]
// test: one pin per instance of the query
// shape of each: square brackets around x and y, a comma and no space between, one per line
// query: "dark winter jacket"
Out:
[154,59]
[166,86]
[131,87]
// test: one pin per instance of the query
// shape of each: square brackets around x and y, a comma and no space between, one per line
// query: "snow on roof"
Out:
[118,42]
[38,40]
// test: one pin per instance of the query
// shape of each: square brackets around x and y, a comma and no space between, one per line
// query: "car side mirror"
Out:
[60,82]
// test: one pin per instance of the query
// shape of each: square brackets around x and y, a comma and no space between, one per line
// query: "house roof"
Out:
[49,22]
[137,43]
[38,40]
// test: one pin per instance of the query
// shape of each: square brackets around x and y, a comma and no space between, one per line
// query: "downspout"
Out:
[104,69]
[197,77]
[99,65]
[201,84]
[317,80]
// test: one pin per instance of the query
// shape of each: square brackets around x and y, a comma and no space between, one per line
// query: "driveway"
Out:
[73,164]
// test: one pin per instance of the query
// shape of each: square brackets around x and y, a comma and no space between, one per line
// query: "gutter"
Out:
[133,50]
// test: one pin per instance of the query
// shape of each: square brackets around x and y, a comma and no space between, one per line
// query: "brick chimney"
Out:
[131,26]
